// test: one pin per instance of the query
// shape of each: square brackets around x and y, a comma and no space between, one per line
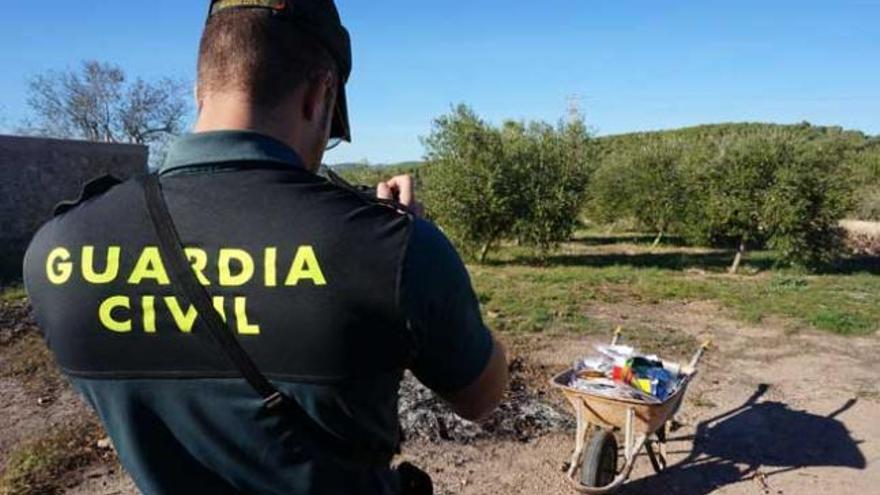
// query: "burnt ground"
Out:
[773,411]
[523,416]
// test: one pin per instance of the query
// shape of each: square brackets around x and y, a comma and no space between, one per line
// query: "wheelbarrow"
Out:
[642,424]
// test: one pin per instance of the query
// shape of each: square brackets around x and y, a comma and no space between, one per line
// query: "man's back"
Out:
[311,278]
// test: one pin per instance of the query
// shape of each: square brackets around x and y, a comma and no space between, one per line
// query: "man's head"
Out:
[278,67]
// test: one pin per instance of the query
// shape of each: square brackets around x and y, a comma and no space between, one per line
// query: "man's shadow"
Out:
[767,438]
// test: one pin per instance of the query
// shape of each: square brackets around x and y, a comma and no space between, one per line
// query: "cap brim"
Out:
[340,128]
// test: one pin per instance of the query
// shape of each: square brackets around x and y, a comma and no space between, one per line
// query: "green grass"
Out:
[28,361]
[841,322]
[12,293]
[524,293]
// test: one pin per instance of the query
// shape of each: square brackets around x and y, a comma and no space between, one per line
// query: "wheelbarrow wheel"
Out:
[600,460]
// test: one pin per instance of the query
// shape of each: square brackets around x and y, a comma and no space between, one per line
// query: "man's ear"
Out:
[316,94]
[197,95]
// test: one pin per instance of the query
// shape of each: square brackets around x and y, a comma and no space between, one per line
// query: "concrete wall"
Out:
[37,173]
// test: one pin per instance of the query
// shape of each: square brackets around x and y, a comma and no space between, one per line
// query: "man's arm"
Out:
[457,357]
[481,397]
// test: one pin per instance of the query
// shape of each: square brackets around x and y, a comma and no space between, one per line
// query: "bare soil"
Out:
[863,238]
[771,412]
[862,227]
[775,410]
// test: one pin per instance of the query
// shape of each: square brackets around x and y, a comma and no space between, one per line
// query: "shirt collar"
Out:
[206,148]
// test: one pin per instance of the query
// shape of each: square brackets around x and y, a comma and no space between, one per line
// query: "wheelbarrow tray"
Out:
[611,412]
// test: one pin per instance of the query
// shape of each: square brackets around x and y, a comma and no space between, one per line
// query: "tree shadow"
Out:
[614,239]
[856,264]
[756,439]
[716,261]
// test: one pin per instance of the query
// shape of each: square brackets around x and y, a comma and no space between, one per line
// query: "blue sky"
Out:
[636,65]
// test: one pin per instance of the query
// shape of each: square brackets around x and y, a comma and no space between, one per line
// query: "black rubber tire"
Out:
[600,460]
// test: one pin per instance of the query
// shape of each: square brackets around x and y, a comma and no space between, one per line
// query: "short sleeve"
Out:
[453,346]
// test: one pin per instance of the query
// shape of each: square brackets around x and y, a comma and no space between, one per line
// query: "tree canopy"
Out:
[99,102]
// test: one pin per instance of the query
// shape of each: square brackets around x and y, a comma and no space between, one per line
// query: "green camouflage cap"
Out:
[320,19]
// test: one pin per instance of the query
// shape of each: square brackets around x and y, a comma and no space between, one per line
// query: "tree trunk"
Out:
[657,239]
[485,251]
[740,251]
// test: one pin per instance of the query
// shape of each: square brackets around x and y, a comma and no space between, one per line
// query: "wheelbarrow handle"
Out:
[699,355]
[617,333]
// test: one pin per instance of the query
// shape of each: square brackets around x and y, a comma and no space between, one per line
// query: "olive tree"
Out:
[646,184]
[658,188]
[735,187]
[610,191]
[522,181]
[778,190]
[810,196]
[554,166]
[474,190]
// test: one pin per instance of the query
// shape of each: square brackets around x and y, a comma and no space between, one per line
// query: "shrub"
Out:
[807,203]
[474,191]
[775,189]
[553,164]
[522,181]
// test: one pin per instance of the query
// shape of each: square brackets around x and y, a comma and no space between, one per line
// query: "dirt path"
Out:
[773,412]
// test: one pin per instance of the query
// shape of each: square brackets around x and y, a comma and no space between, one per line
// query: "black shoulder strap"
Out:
[184,279]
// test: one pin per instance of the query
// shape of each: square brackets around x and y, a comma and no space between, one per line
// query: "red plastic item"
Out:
[622,374]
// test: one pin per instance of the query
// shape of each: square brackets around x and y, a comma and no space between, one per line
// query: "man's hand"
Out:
[401,189]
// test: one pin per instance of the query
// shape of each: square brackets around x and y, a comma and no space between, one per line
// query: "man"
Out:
[330,293]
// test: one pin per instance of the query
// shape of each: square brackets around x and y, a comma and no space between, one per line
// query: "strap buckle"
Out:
[273,401]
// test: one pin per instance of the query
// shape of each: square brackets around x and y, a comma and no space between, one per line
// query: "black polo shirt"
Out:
[354,319]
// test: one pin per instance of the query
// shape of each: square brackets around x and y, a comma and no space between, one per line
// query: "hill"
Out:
[705,133]
[345,166]
[861,151]
[857,140]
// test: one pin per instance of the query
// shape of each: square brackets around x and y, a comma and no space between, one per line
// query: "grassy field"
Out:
[523,293]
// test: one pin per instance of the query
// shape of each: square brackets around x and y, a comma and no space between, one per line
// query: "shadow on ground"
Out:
[716,261]
[757,439]
[600,240]
[857,264]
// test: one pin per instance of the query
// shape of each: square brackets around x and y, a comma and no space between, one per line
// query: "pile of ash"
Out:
[522,416]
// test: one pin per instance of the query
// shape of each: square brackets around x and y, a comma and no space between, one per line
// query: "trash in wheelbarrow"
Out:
[621,372]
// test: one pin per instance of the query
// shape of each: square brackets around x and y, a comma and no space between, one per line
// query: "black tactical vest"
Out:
[305,272]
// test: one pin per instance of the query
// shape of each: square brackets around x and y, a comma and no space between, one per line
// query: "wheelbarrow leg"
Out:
[662,435]
[658,462]
[580,440]
[629,432]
